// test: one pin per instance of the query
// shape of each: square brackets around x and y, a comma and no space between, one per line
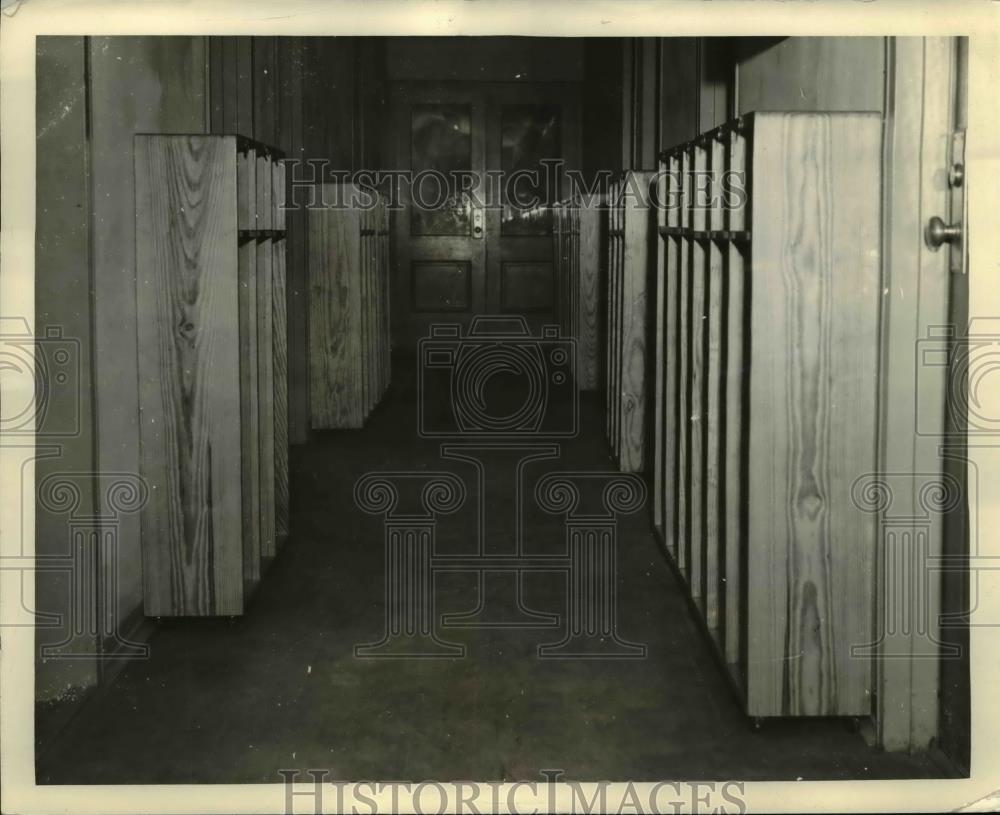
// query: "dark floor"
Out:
[236,700]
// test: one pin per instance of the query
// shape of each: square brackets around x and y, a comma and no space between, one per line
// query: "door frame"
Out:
[493,94]
[920,95]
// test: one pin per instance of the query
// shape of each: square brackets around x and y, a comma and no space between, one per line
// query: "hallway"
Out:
[236,699]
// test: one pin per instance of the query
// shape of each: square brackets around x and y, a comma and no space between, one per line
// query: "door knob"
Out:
[938,232]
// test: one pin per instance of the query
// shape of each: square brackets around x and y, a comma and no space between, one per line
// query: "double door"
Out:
[483,163]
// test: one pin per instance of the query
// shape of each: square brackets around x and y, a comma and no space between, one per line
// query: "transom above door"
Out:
[484,162]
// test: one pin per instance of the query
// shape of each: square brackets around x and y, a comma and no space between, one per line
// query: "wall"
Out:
[814,73]
[316,99]
[485,59]
[136,85]
[93,95]
[302,95]
[673,88]
[62,298]
[603,63]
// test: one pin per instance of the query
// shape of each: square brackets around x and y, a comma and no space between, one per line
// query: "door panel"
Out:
[482,245]
[440,145]
[439,271]
[529,129]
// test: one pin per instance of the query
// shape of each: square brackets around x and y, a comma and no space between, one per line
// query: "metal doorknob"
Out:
[938,232]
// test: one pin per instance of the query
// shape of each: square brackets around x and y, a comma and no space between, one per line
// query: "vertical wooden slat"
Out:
[635,275]
[188,347]
[696,417]
[736,282]
[684,368]
[616,359]
[265,384]
[659,352]
[246,190]
[216,84]
[279,340]
[363,311]
[242,85]
[264,204]
[671,416]
[334,324]
[613,386]
[385,275]
[587,254]
[248,406]
[278,219]
[714,573]
[609,221]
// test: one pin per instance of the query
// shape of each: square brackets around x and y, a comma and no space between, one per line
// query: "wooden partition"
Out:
[767,310]
[577,261]
[210,272]
[349,348]
[629,238]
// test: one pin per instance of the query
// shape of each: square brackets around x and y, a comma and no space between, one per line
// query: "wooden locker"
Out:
[345,299]
[201,295]
[770,318]
[629,225]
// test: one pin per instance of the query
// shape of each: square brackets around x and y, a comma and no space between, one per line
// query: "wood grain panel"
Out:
[334,350]
[814,358]
[684,382]
[615,330]
[684,367]
[735,373]
[712,583]
[348,280]
[385,274]
[671,415]
[265,390]
[187,299]
[734,490]
[712,442]
[249,393]
[365,310]
[659,354]
[635,273]
[608,323]
[246,189]
[264,203]
[123,74]
[278,218]
[588,258]
[279,338]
